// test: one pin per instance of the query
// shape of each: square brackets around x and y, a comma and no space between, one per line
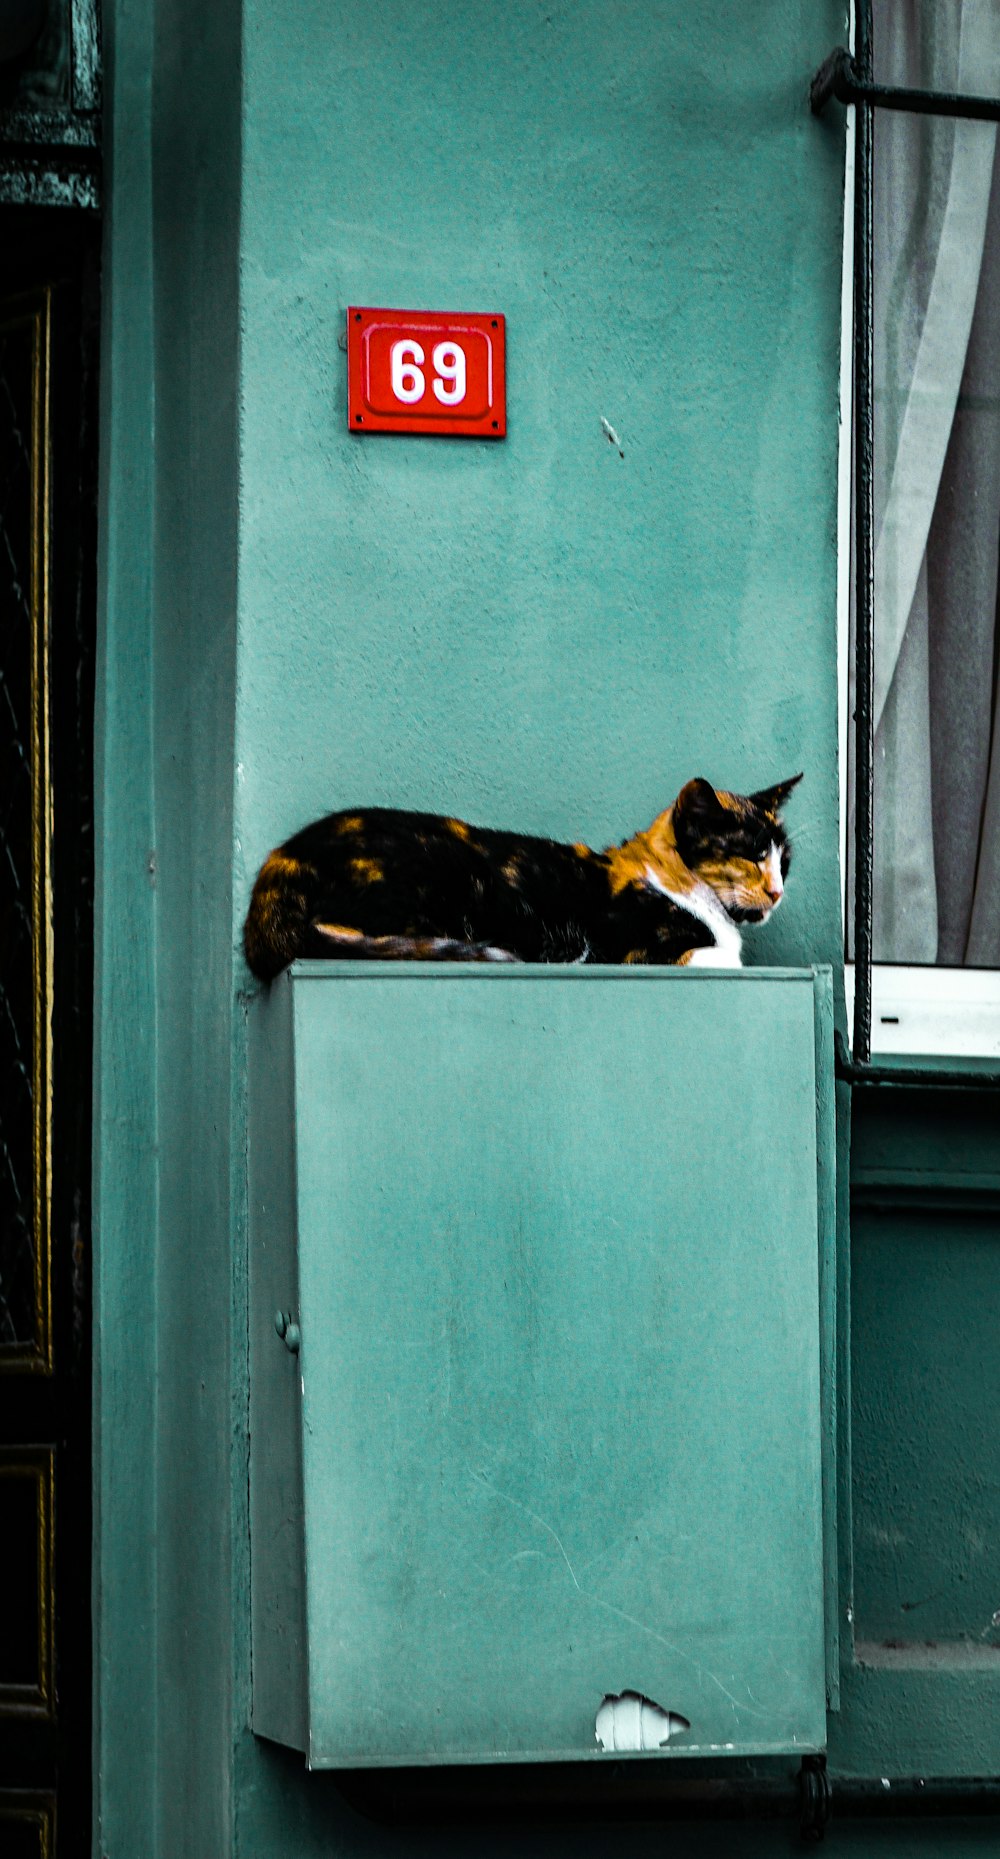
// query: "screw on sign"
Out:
[426,371]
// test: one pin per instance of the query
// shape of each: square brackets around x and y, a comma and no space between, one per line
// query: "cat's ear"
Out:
[697,801]
[771,799]
[696,814]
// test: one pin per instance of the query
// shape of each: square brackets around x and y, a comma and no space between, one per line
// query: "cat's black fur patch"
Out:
[411,874]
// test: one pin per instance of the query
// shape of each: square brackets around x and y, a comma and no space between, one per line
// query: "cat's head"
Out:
[737,844]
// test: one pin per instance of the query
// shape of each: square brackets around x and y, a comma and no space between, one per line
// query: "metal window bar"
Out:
[849,80]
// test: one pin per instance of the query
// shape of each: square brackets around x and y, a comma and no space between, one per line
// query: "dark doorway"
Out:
[48,460]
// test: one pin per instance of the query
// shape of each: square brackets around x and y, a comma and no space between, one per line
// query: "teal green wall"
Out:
[539,633]
[125,1020]
[923,1694]
[925,1307]
[170,1407]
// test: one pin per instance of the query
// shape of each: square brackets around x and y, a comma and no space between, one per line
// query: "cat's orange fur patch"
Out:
[637,955]
[278,865]
[742,878]
[459,828]
[351,823]
[654,850]
[340,932]
[369,870]
[268,931]
[277,880]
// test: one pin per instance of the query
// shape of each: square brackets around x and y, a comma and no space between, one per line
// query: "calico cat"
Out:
[401,886]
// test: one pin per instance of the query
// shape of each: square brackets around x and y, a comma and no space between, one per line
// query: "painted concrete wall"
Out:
[163,1212]
[541,633]
[537,633]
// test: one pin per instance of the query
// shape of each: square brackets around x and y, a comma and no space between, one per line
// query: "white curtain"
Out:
[937,492]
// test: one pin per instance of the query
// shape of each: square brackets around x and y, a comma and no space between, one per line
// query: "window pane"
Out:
[937,496]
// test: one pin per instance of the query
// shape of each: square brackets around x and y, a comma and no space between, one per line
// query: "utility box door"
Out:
[553,1433]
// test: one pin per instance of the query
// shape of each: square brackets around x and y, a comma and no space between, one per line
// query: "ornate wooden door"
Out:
[47,353]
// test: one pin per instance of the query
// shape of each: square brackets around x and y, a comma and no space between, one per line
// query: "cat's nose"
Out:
[773,896]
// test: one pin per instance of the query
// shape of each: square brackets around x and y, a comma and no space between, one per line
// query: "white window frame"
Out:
[932,1012]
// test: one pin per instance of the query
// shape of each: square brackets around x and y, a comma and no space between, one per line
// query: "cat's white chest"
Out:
[701,902]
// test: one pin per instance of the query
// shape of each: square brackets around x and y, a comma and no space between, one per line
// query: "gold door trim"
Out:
[37,1463]
[34,312]
[39,1810]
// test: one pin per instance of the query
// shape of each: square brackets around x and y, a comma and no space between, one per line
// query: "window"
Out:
[922,799]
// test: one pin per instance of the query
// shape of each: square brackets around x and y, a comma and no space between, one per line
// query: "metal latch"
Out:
[289,1332]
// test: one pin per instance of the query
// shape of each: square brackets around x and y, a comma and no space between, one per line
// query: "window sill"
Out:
[932,1017]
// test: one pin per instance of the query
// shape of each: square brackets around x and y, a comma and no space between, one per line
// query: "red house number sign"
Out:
[429,371]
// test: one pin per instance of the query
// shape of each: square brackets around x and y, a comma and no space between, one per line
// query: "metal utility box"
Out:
[554,1244]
